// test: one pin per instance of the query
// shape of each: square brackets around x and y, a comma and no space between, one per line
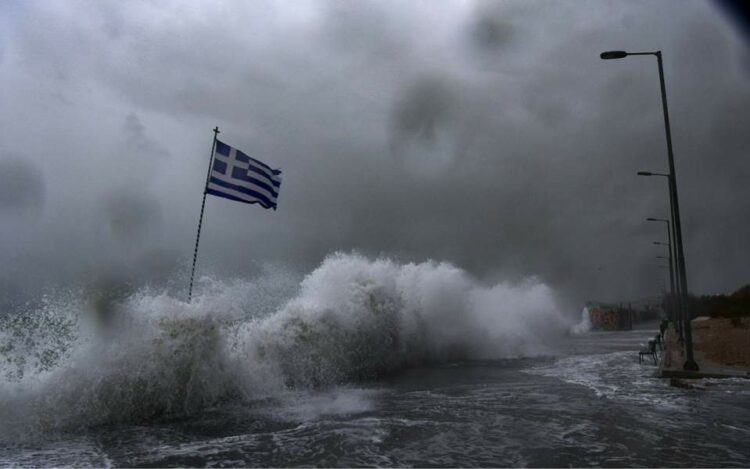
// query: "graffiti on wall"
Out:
[605,319]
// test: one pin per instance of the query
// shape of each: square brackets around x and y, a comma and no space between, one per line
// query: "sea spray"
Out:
[585,324]
[153,356]
[37,337]
[352,318]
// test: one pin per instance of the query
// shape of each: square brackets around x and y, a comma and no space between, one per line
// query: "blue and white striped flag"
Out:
[236,176]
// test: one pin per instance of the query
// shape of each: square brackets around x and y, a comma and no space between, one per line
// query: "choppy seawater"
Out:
[369,365]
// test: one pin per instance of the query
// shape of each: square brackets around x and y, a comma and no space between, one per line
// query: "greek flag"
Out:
[236,176]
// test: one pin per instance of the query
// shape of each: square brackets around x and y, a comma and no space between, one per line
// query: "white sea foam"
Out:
[351,318]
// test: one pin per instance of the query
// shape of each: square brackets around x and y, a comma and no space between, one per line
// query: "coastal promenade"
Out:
[721,347]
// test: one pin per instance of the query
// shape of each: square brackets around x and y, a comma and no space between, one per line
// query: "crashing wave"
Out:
[352,318]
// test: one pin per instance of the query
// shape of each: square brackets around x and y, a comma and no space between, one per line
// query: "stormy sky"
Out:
[487,134]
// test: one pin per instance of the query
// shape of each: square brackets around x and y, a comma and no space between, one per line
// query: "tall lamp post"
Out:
[673,250]
[676,314]
[673,316]
[670,226]
[690,363]
[663,283]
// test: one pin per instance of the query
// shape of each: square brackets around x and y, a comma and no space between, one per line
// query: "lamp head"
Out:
[613,54]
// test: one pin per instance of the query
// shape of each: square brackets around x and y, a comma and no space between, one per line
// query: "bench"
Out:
[648,350]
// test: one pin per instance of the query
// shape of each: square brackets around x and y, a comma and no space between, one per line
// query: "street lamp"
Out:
[613,54]
[690,363]
[674,302]
[673,313]
[671,234]
[663,283]
[671,277]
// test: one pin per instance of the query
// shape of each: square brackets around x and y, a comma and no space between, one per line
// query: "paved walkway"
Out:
[710,340]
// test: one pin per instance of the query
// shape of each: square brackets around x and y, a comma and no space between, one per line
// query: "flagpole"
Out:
[203,206]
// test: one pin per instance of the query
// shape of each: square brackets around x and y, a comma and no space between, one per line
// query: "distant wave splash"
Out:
[585,325]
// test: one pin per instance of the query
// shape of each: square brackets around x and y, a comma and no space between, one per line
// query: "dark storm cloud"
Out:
[488,134]
[421,109]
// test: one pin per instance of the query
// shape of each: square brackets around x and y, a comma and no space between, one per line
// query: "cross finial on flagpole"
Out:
[216,130]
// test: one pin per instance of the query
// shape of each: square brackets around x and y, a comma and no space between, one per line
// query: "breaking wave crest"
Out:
[351,318]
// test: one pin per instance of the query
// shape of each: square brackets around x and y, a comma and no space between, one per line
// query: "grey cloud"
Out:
[22,188]
[131,215]
[490,30]
[425,105]
[138,141]
[516,147]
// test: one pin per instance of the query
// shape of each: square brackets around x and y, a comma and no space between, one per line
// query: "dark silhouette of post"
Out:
[670,267]
[200,219]
[678,289]
[690,363]
[674,301]
[672,298]
[673,315]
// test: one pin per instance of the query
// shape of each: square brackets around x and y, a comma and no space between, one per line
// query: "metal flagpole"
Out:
[203,206]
